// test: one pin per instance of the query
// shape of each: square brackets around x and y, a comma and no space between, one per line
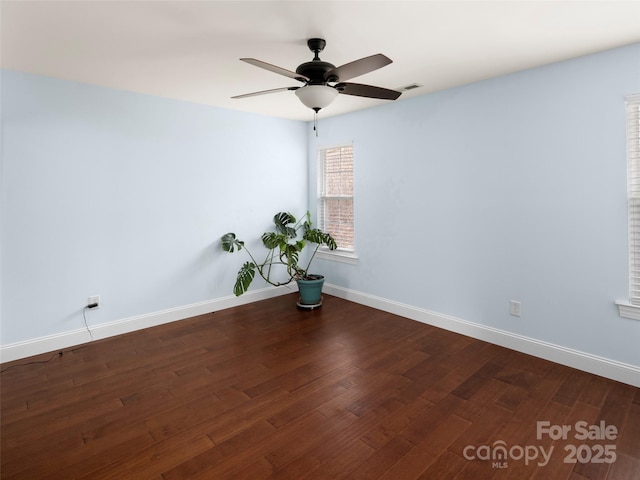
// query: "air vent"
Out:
[411,86]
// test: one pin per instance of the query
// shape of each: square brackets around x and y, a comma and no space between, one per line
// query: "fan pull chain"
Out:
[315,122]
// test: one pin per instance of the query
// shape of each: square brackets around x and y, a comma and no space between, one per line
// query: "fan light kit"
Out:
[324,81]
[316,97]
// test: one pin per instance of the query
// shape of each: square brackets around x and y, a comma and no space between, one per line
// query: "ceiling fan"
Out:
[324,81]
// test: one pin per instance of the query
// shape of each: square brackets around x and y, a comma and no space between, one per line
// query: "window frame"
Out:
[340,254]
[631,308]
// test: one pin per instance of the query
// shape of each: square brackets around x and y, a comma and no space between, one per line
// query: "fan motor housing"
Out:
[315,70]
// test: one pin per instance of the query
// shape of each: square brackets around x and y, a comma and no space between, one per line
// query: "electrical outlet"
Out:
[514,308]
[94,299]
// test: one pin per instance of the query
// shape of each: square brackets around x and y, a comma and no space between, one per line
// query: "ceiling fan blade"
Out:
[357,68]
[264,92]
[275,69]
[360,90]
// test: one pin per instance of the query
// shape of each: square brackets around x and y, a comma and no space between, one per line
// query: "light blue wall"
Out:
[510,188]
[124,195]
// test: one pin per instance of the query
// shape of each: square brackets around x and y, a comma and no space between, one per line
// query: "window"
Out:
[632,309]
[335,196]
[633,165]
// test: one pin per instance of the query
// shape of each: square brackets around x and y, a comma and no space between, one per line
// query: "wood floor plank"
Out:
[447,465]
[379,462]
[267,391]
[630,435]
[269,445]
[614,412]
[625,468]
[211,458]
[347,447]
[581,411]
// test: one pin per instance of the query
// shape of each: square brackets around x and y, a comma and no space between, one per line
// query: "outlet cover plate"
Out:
[515,308]
[94,299]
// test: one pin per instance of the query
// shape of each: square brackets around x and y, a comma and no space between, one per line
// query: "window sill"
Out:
[626,310]
[342,256]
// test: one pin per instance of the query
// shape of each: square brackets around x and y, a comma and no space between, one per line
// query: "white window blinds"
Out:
[633,166]
[335,195]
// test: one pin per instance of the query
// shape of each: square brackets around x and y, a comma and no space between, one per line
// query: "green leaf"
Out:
[230,242]
[282,221]
[273,240]
[316,235]
[292,253]
[245,277]
[330,242]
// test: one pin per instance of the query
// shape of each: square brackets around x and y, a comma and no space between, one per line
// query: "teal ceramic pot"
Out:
[310,288]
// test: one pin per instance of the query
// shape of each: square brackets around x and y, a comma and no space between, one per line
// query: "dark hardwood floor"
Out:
[267,391]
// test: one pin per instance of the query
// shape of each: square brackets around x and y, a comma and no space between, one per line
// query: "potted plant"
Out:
[284,246]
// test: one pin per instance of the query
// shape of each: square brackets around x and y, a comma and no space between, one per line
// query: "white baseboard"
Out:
[72,338]
[621,372]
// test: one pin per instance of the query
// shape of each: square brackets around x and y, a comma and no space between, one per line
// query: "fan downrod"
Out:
[316,45]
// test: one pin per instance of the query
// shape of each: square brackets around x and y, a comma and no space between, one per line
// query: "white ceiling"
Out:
[189,50]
